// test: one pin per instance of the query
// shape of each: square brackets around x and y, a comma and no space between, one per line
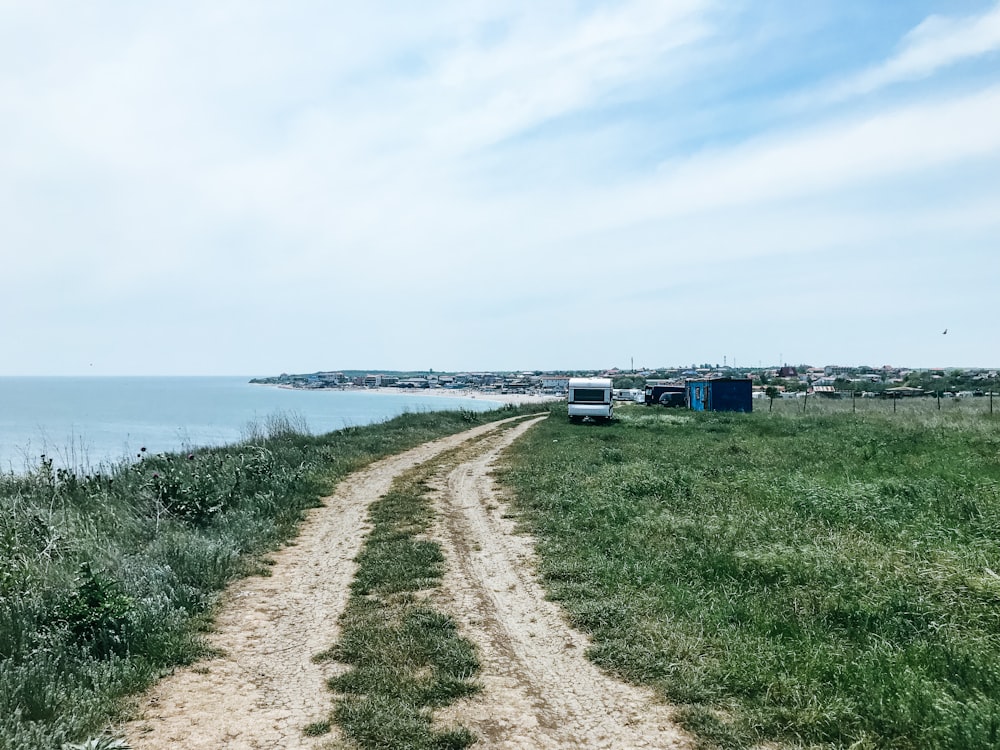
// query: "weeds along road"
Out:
[265,687]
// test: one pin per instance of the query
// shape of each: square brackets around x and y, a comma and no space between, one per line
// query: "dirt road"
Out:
[539,691]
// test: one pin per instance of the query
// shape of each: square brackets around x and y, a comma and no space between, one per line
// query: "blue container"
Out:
[720,394]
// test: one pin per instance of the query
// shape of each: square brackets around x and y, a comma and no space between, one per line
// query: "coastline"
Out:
[85,422]
[493,397]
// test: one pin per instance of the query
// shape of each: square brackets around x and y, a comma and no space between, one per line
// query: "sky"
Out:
[249,187]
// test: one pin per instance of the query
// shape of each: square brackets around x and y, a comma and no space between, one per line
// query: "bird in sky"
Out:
[944,331]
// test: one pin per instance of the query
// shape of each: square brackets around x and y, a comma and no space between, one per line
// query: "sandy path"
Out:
[539,690]
[264,688]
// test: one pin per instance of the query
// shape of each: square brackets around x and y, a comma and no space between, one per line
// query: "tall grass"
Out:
[816,579]
[106,577]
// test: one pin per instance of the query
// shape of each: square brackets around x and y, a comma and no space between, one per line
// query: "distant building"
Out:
[515,386]
[413,383]
[838,370]
[555,383]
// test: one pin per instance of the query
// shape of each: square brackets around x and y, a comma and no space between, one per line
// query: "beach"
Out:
[493,396]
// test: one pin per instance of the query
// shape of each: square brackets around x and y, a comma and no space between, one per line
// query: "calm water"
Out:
[82,422]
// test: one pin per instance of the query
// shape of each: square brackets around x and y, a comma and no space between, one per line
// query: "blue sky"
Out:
[254,187]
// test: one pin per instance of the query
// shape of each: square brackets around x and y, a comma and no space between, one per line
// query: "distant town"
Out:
[788,381]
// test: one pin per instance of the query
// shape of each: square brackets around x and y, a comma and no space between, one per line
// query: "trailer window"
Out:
[588,394]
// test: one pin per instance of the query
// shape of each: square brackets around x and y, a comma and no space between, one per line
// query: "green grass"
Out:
[816,579]
[107,578]
[317,729]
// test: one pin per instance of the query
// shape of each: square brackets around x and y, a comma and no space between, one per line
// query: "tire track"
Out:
[539,689]
[264,688]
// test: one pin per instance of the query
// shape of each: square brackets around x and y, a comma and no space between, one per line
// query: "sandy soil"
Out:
[264,688]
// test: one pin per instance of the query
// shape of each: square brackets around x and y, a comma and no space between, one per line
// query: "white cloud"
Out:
[936,43]
[272,170]
[850,153]
[704,202]
[551,64]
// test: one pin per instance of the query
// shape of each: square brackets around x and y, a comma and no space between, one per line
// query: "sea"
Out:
[88,422]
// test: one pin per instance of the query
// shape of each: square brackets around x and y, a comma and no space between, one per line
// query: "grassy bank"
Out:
[106,578]
[816,579]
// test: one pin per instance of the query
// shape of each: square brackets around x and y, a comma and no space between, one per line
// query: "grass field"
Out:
[826,574]
[810,577]
[106,578]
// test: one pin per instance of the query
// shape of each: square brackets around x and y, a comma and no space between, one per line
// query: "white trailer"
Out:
[590,397]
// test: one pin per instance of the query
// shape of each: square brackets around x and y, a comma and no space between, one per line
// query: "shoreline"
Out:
[82,424]
[500,398]
[493,397]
